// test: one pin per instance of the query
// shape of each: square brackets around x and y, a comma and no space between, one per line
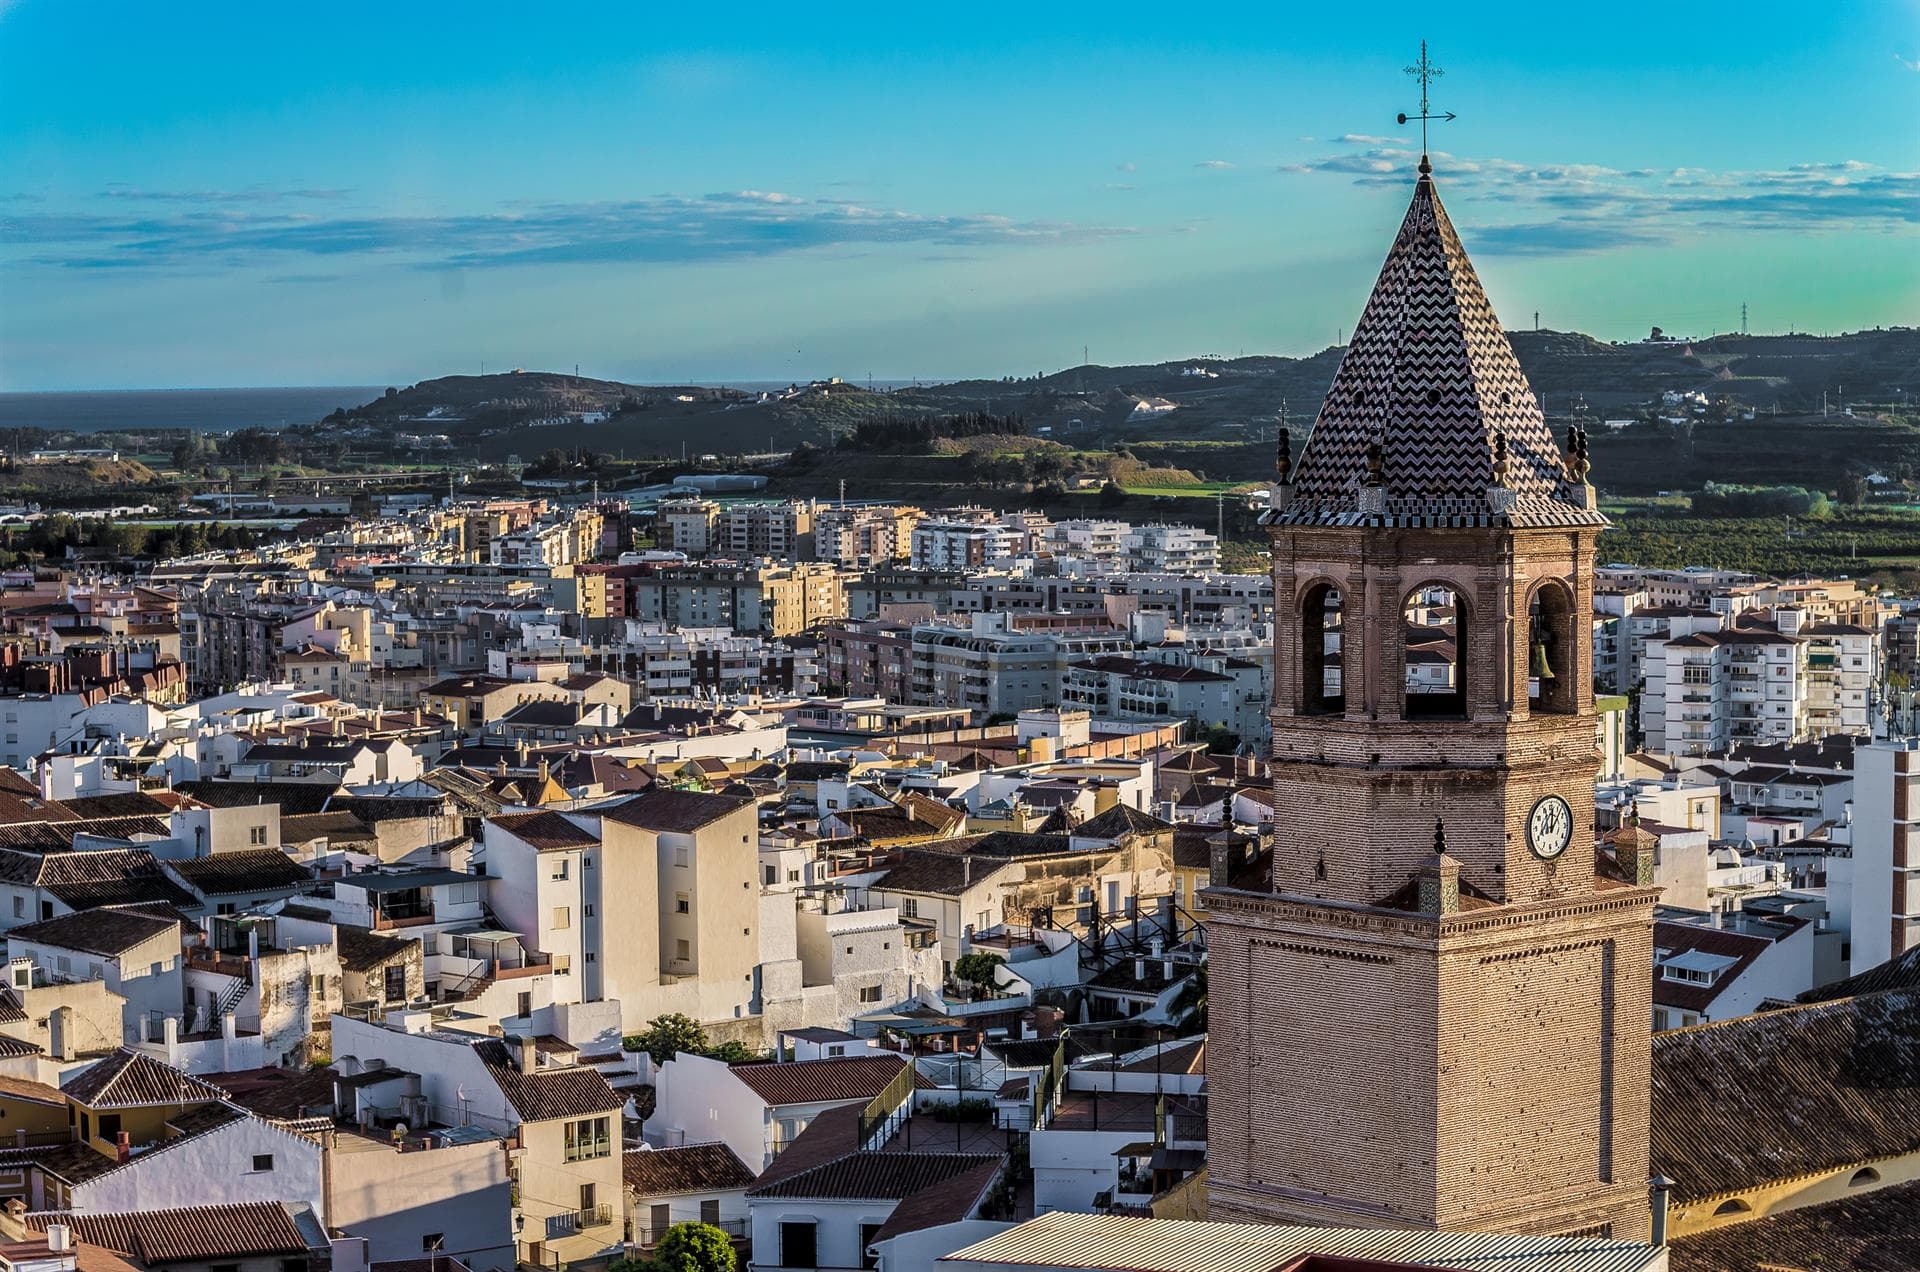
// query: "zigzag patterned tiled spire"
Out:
[1430,377]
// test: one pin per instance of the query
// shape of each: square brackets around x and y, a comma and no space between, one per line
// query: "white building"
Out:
[1886,851]
[951,543]
[1164,549]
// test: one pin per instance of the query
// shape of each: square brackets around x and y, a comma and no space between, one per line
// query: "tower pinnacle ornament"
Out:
[1426,72]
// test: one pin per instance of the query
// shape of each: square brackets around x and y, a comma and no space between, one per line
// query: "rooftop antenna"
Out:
[1426,72]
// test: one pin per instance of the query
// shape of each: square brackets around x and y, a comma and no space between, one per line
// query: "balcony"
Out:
[568,1222]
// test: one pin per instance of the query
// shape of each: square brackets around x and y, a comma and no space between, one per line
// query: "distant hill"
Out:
[1225,400]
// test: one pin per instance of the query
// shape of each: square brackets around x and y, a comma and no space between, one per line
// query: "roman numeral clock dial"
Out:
[1549,828]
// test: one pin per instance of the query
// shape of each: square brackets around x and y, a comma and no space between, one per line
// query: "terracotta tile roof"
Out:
[278,1093]
[127,1079]
[299,827]
[657,809]
[105,932]
[121,804]
[1877,1231]
[664,1172]
[362,950]
[249,870]
[1681,938]
[1896,973]
[875,1176]
[13,1088]
[820,1081]
[1430,376]
[546,832]
[948,1200]
[1121,819]
[76,1163]
[548,1093]
[110,876]
[292,797]
[1786,1093]
[195,1234]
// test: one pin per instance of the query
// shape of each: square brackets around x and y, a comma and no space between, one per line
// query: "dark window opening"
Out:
[1323,677]
[797,1245]
[1435,625]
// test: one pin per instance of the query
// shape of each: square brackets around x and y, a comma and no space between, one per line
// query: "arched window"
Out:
[1552,649]
[1436,641]
[1732,1206]
[1864,1176]
[1322,678]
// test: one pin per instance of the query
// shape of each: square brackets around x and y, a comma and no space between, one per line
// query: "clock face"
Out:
[1549,828]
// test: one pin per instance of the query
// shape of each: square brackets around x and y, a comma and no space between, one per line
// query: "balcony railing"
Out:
[568,1222]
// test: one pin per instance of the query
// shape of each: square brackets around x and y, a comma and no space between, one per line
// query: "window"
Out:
[868,1231]
[771,877]
[797,1244]
[587,1138]
[869,993]
[109,1126]
[682,904]
[262,1162]
[710,1210]
[1436,648]
[559,868]
[563,965]
[1322,682]
[19,907]
[683,949]
[910,907]
[394,983]
[257,834]
[1732,1206]
[562,918]
[680,856]
[1864,1176]
[587,911]
[432,1241]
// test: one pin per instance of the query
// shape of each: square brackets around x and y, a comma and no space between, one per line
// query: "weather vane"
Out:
[1426,72]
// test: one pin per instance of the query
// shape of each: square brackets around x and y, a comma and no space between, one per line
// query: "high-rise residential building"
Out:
[691,526]
[865,534]
[779,531]
[1170,550]
[962,539]
[1439,1016]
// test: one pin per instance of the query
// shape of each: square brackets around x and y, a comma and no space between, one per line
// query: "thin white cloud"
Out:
[726,225]
[1590,207]
[1911,63]
[1218,165]
[1123,167]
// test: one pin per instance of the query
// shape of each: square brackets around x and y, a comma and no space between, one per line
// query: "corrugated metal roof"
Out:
[1119,1243]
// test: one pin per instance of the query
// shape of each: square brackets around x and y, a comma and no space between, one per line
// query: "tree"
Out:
[976,968]
[1111,496]
[695,1247]
[666,1036]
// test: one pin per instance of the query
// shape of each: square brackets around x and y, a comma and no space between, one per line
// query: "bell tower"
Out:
[1439,1017]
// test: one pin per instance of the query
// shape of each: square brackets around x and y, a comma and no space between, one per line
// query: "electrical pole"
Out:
[1743,317]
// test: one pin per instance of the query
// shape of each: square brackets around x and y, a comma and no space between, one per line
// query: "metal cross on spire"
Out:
[1426,72]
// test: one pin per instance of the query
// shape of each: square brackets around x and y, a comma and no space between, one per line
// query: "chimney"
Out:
[966,870]
[123,1146]
[60,1236]
[520,750]
[1662,1188]
[1219,861]
[526,1059]
[1139,968]
[60,1032]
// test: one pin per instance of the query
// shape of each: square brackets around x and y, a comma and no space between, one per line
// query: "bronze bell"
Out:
[1542,668]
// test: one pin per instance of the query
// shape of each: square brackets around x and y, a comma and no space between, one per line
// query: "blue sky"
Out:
[236,195]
